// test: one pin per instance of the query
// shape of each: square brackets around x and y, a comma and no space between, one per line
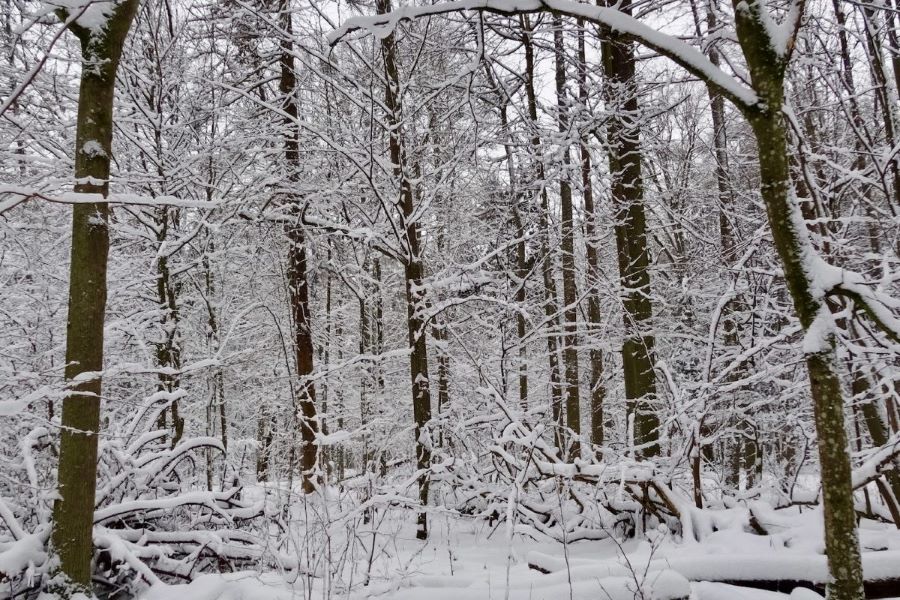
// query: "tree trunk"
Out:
[627,190]
[73,511]
[521,291]
[767,68]
[367,376]
[793,246]
[550,299]
[414,273]
[298,284]
[168,350]
[570,289]
[598,392]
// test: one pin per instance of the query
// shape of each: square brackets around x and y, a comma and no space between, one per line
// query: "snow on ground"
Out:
[467,559]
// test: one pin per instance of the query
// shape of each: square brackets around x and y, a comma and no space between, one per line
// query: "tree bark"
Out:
[767,68]
[73,511]
[627,190]
[414,273]
[594,314]
[570,288]
[297,279]
[550,296]
[168,349]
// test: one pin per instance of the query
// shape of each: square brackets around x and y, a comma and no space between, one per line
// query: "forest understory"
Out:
[519,299]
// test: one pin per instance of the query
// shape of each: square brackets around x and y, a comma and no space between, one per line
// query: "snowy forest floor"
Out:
[467,558]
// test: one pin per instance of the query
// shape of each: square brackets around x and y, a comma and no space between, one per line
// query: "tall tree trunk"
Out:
[570,289]
[792,244]
[767,68]
[367,376]
[414,273]
[73,511]
[550,298]
[627,190]
[595,318]
[327,454]
[298,283]
[215,383]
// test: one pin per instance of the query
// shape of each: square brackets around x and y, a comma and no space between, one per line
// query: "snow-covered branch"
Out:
[685,55]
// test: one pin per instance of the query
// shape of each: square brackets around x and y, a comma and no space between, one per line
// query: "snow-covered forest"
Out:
[519,299]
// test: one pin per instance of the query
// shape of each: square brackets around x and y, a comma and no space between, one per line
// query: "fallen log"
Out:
[776,572]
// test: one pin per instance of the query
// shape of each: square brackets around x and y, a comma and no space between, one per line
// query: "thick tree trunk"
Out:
[297,279]
[627,190]
[73,511]
[570,289]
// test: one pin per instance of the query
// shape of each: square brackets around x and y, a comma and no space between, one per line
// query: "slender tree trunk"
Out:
[521,292]
[265,433]
[414,274]
[338,408]
[327,455]
[73,511]
[570,289]
[216,380]
[550,297]
[522,267]
[168,349]
[365,384]
[298,283]
[594,314]
[627,190]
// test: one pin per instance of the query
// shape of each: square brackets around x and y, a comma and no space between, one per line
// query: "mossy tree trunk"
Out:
[767,67]
[73,511]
